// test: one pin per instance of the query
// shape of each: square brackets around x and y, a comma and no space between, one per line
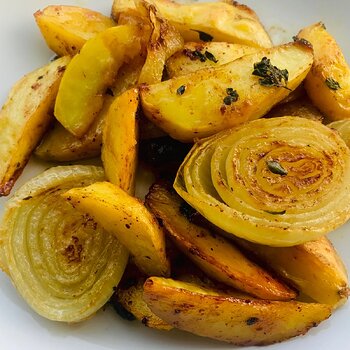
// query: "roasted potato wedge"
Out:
[328,83]
[217,21]
[314,268]
[230,319]
[301,107]
[60,145]
[25,117]
[196,56]
[120,139]
[81,93]
[210,100]
[128,219]
[218,257]
[67,28]
[131,299]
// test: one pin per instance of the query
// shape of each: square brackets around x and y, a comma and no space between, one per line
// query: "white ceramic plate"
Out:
[22,51]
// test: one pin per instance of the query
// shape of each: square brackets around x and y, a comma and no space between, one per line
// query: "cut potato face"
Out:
[128,219]
[81,94]
[25,117]
[210,100]
[67,28]
[62,263]
[218,257]
[314,268]
[196,56]
[217,21]
[328,83]
[270,181]
[60,145]
[120,138]
[237,321]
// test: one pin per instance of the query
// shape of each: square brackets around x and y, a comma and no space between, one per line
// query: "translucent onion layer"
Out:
[63,264]
[279,182]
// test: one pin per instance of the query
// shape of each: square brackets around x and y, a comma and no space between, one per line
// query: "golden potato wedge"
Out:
[128,219]
[215,255]
[230,319]
[81,93]
[343,129]
[67,28]
[131,299]
[60,145]
[217,21]
[196,56]
[120,139]
[164,41]
[210,100]
[314,268]
[25,117]
[328,83]
[301,107]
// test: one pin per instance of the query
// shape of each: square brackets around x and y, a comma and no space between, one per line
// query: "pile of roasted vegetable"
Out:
[248,144]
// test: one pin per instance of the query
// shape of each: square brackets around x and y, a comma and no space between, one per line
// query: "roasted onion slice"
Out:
[279,182]
[62,263]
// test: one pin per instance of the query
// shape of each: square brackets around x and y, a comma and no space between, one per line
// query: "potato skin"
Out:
[60,145]
[237,321]
[120,140]
[314,268]
[25,117]
[194,56]
[329,63]
[128,219]
[81,94]
[192,106]
[227,22]
[67,28]
[215,255]
[131,298]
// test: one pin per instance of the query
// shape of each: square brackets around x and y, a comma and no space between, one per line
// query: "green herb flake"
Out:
[252,320]
[270,75]
[180,91]
[194,55]
[276,168]
[200,56]
[210,56]
[204,36]
[276,212]
[332,84]
[232,96]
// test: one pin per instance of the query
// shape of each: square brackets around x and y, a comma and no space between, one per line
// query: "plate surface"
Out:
[22,51]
